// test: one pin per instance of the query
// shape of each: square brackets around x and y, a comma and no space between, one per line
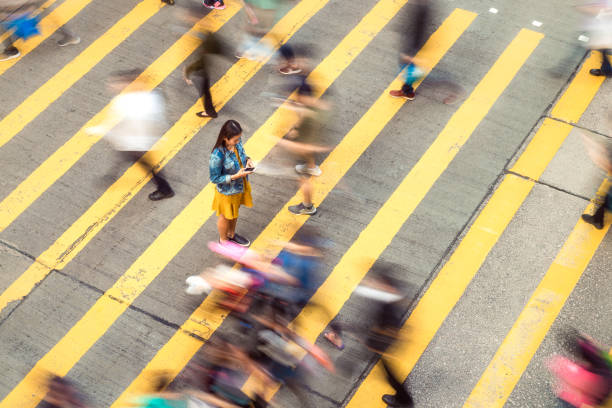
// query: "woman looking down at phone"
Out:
[229,170]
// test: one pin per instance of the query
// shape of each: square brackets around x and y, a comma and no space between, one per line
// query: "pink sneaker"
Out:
[214,4]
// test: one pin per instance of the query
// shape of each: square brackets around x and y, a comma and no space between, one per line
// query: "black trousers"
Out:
[158,179]
[202,82]
[606,68]
[599,214]
[402,394]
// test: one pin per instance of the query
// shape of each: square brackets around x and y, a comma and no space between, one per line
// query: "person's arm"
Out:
[112,119]
[248,9]
[216,169]
[302,148]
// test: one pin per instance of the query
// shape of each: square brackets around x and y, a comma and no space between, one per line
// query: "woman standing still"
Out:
[228,170]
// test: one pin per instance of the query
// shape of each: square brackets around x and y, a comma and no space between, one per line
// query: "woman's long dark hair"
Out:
[230,129]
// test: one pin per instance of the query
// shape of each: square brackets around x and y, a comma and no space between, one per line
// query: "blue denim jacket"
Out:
[223,163]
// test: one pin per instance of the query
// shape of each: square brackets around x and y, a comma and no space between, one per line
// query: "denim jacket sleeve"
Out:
[216,168]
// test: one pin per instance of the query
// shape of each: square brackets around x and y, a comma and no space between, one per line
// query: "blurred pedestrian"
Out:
[306,138]
[229,170]
[62,393]
[585,379]
[601,154]
[386,298]
[277,353]
[261,15]
[141,116]
[20,18]
[160,397]
[386,331]
[196,73]
[413,39]
[600,33]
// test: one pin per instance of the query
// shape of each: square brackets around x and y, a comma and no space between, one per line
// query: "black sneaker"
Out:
[393,401]
[9,54]
[302,209]
[240,240]
[589,219]
[599,72]
[158,195]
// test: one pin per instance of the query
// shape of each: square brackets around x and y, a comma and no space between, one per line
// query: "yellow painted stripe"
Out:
[551,132]
[175,354]
[105,208]
[569,107]
[48,25]
[452,280]
[577,97]
[379,233]
[70,73]
[447,288]
[68,245]
[68,351]
[42,8]
[67,155]
[386,223]
[521,343]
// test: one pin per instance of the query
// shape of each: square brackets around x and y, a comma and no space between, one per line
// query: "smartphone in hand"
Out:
[249,169]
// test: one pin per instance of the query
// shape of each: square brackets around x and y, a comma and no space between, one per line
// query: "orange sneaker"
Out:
[400,94]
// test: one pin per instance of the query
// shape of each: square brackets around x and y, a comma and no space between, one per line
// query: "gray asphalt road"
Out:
[464,345]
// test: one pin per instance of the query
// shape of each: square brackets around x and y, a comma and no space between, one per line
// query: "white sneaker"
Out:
[5,56]
[196,285]
[313,171]
[69,40]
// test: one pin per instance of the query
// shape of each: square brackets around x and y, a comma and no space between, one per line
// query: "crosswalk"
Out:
[357,140]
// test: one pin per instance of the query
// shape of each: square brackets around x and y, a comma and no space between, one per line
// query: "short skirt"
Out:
[228,205]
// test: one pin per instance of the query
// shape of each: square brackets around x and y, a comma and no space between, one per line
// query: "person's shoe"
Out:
[9,54]
[289,70]
[158,195]
[203,114]
[599,72]
[214,4]
[400,94]
[304,169]
[169,2]
[240,240]
[334,339]
[302,209]
[589,219]
[392,401]
[69,40]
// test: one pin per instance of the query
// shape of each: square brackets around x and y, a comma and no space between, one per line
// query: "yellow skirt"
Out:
[228,205]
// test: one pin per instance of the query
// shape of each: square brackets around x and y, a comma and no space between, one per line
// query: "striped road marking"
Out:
[447,288]
[48,25]
[177,352]
[522,341]
[70,73]
[105,208]
[68,351]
